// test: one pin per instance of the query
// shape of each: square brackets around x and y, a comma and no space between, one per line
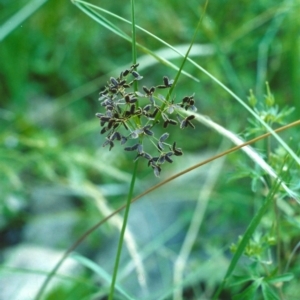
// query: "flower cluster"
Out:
[126,118]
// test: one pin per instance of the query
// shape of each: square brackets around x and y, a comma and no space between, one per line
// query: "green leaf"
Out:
[280,278]
[249,292]
[268,292]
[240,279]
[99,271]
[248,234]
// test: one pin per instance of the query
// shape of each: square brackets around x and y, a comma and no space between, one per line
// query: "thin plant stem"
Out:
[134,174]
[183,61]
[121,239]
[134,54]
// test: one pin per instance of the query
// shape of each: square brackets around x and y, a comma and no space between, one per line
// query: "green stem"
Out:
[120,245]
[182,63]
[134,174]
[133,34]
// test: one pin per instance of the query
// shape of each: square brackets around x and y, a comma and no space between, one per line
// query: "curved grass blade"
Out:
[19,17]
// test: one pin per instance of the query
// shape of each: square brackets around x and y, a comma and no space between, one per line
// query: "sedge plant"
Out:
[130,116]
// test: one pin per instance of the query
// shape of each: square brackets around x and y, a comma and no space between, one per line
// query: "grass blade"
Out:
[19,17]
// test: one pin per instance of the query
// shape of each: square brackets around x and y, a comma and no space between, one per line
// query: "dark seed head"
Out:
[114,81]
[191,117]
[111,144]
[125,73]
[136,75]
[183,124]
[152,90]
[116,135]
[166,80]
[185,99]
[164,137]
[127,98]
[173,122]
[132,148]
[161,160]
[161,86]
[156,170]
[147,107]
[104,129]
[160,146]
[132,109]
[166,123]
[122,82]
[154,113]
[147,156]
[146,90]
[168,159]
[148,132]
[134,66]
[123,140]
[109,107]
[176,151]
[110,124]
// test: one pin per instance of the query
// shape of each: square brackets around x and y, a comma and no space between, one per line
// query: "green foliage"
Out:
[54,59]
[267,111]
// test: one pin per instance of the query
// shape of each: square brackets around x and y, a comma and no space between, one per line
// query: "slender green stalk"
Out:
[183,61]
[134,55]
[134,174]
[120,245]
[188,51]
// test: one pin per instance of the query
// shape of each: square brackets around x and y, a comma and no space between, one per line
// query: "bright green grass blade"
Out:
[19,17]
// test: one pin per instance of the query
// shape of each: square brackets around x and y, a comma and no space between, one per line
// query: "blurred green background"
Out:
[54,60]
